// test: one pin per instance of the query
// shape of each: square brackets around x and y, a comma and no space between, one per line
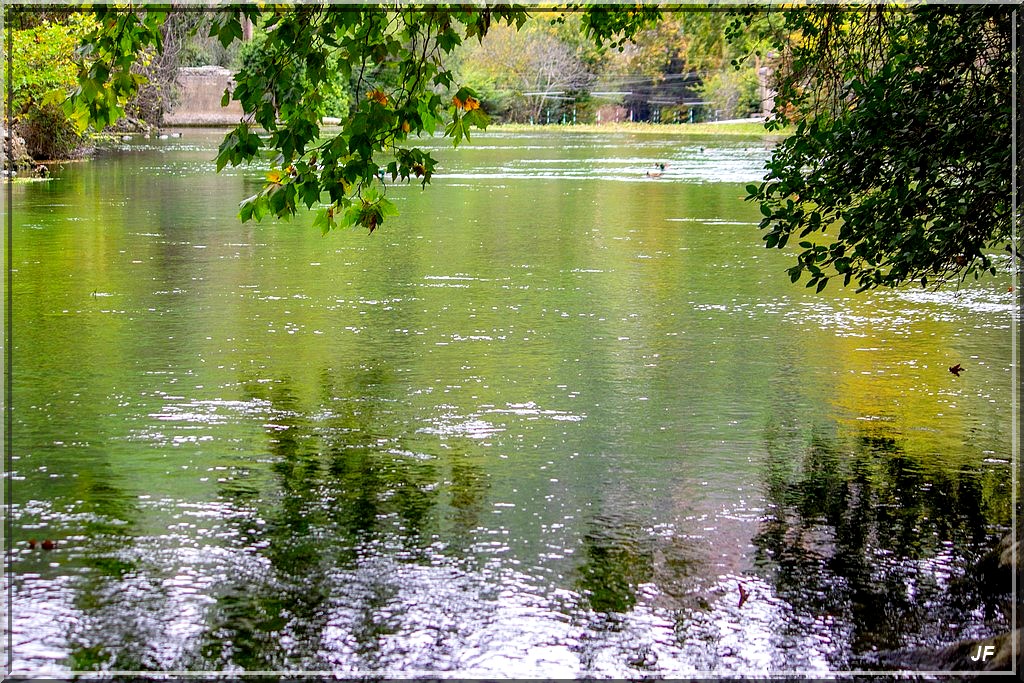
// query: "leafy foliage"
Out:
[106,81]
[901,153]
[158,92]
[43,71]
[395,61]
[260,54]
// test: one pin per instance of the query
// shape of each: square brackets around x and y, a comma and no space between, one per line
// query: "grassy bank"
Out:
[743,128]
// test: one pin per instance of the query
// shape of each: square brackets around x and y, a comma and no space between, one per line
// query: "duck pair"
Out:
[657,174]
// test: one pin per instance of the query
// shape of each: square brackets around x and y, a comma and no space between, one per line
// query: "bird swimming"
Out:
[661,169]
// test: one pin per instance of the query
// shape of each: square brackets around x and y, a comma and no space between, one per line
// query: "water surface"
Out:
[545,423]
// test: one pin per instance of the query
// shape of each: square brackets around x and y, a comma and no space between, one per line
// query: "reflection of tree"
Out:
[620,555]
[115,595]
[872,536]
[616,563]
[252,617]
[337,498]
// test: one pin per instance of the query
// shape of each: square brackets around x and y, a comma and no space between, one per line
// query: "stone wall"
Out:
[201,89]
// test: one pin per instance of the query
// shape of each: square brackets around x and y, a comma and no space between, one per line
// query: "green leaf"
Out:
[321,223]
[246,207]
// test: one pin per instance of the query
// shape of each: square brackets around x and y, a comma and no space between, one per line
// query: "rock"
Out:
[20,162]
[958,657]
[994,573]
[1008,548]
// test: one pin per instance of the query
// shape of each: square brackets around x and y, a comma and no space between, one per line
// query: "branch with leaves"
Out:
[404,89]
[345,174]
[899,169]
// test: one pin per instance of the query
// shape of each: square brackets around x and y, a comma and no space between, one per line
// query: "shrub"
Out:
[42,61]
[254,56]
[49,134]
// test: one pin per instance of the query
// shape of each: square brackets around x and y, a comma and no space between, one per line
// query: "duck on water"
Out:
[657,174]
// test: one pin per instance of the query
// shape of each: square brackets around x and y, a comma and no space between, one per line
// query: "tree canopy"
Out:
[898,170]
[900,166]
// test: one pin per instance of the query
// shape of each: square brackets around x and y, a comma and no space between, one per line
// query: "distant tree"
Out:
[531,70]
[733,93]
[688,53]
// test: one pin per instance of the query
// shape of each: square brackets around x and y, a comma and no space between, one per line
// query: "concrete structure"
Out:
[201,89]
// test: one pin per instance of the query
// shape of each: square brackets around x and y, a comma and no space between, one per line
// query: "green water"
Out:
[543,424]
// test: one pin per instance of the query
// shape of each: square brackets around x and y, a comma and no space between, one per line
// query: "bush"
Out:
[253,56]
[42,61]
[198,48]
[49,134]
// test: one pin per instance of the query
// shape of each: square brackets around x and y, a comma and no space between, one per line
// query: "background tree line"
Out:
[898,168]
[680,70]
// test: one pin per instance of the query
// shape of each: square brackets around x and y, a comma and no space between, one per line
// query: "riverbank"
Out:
[747,128]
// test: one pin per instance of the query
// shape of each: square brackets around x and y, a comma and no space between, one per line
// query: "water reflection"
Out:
[443,448]
[342,497]
[863,534]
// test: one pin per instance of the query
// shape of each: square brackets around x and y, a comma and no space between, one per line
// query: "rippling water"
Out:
[546,423]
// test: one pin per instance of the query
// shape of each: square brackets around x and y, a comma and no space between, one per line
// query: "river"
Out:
[546,422]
